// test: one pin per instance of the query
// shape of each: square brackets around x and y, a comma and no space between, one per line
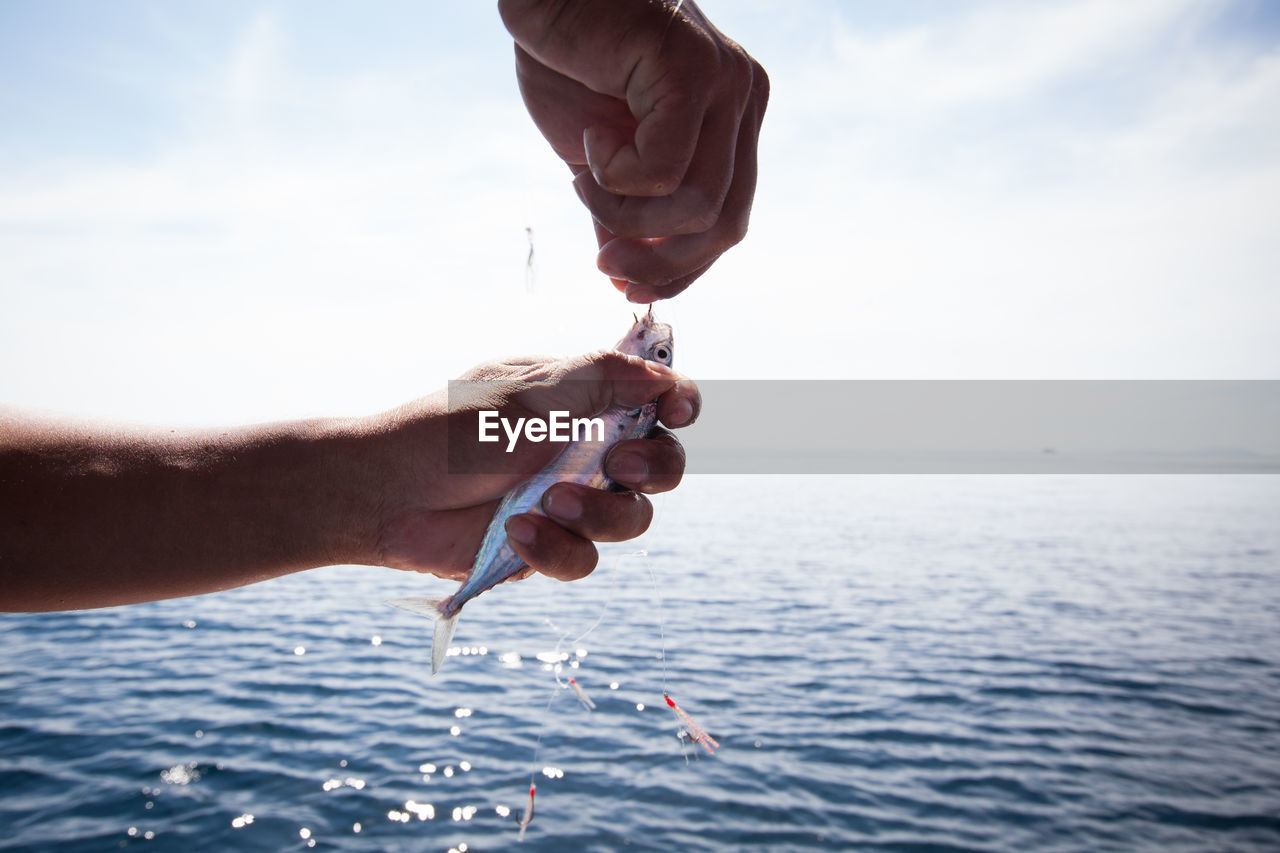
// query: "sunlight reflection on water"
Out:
[1035,663]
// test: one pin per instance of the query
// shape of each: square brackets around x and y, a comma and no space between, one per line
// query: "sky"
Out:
[243,211]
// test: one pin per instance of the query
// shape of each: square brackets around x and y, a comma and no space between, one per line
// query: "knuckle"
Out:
[622,363]
[628,515]
[675,288]
[760,82]
[672,462]
[606,215]
[667,270]
[735,230]
[607,210]
[605,356]
[739,65]
[555,563]
[662,179]
[701,214]
[599,198]
[701,52]
[580,563]
[620,224]
[736,71]
[564,559]
[596,365]
[660,277]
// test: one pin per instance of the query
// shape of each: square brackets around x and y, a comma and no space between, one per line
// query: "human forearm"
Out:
[94,515]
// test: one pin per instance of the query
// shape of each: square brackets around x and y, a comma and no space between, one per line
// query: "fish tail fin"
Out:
[440,640]
[430,606]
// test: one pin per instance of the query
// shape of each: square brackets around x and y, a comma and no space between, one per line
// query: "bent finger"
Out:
[604,235]
[548,548]
[644,294]
[647,465]
[653,161]
[596,514]
[663,262]
[679,407]
[693,203]
[693,206]
[590,383]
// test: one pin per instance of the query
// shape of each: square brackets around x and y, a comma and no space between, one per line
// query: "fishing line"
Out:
[686,725]
[537,745]
[613,580]
[556,666]
[613,577]
[662,631]
[662,647]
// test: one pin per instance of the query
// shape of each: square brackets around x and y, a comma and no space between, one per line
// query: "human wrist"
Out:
[398,462]
[341,491]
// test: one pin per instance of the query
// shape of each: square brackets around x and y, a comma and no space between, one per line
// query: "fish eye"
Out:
[662,353]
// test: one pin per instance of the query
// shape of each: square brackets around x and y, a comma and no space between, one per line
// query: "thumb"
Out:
[591,383]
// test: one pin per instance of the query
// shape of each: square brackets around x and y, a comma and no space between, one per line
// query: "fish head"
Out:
[649,339]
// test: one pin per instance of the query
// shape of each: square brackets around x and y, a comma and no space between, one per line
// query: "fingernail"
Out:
[564,503]
[628,466]
[681,413]
[521,530]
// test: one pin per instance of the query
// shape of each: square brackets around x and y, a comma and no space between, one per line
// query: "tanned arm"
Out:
[94,515]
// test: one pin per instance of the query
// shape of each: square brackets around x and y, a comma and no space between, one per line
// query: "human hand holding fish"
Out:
[438,529]
[629,388]
[96,514]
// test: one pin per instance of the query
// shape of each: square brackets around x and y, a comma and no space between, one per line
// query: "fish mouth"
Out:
[650,323]
[646,334]
[648,326]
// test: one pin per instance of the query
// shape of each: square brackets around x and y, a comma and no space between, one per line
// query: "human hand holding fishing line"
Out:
[657,113]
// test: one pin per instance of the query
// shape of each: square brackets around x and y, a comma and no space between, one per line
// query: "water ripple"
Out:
[886,666]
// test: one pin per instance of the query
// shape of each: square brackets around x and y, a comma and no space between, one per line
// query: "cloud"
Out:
[254,62]
[1032,190]
[1004,190]
[998,52]
[1035,93]
[1217,118]
[311,241]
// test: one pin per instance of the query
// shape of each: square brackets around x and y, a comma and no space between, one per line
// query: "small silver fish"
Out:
[580,462]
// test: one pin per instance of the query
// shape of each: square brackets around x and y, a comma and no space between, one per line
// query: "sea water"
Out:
[905,663]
